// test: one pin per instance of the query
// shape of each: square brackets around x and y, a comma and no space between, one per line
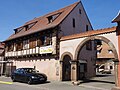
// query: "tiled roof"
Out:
[104,51]
[42,22]
[117,18]
[89,33]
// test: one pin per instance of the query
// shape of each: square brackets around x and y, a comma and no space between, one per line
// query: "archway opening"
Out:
[86,61]
[96,56]
[66,72]
[105,57]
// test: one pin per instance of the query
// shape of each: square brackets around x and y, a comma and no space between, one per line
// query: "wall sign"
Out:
[46,49]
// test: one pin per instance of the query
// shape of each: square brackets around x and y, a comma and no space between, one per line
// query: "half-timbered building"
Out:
[36,44]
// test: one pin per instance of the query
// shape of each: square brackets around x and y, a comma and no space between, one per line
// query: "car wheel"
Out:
[29,81]
[13,79]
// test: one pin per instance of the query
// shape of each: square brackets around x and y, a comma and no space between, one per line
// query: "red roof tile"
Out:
[89,33]
[42,22]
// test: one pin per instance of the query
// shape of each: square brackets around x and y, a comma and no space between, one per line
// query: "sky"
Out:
[14,13]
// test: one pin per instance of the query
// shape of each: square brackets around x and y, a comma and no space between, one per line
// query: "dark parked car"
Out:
[28,75]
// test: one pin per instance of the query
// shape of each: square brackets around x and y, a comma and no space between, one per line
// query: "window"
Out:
[39,42]
[17,71]
[111,67]
[25,44]
[28,26]
[18,30]
[32,43]
[19,46]
[48,40]
[110,51]
[87,28]
[31,25]
[10,47]
[73,23]
[80,11]
[89,45]
[83,68]
[53,17]
[49,19]
[45,40]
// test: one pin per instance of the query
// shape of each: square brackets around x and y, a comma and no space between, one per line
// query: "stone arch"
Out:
[106,41]
[65,63]
[94,38]
[66,53]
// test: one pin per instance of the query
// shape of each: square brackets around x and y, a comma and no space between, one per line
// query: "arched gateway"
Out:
[81,51]
[108,42]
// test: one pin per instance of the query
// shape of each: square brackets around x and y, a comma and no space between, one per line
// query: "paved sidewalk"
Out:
[101,82]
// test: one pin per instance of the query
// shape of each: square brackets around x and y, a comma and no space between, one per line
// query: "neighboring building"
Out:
[1,57]
[36,44]
[104,56]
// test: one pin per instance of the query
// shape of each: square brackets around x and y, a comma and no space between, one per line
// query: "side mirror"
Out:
[37,71]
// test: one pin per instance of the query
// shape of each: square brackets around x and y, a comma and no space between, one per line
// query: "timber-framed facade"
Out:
[36,44]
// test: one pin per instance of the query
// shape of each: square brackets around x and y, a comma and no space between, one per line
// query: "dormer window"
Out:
[27,27]
[53,17]
[50,19]
[15,31]
[18,30]
[31,25]
[98,51]
[110,51]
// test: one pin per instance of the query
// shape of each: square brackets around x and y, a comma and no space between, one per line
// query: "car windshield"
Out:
[30,70]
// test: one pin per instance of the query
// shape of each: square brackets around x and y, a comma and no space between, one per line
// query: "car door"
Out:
[22,75]
[16,74]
